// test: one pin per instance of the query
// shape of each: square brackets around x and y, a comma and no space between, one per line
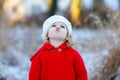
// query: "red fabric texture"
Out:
[62,63]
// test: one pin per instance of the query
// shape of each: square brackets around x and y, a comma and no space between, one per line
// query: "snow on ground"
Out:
[24,41]
[94,46]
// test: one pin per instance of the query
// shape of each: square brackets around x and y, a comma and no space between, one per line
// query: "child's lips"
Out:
[57,29]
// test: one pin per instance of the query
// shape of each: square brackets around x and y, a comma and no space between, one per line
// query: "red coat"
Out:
[62,63]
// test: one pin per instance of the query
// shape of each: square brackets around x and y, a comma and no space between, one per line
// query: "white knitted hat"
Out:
[53,19]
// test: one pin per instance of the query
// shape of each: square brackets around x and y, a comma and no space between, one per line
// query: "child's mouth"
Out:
[57,29]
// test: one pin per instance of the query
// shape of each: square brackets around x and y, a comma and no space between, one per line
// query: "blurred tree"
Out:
[49,3]
[1,4]
[14,11]
[100,9]
[1,8]
[2,78]
[52,4]
[75,12]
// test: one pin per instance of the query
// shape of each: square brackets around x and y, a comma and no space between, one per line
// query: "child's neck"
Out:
[56,43]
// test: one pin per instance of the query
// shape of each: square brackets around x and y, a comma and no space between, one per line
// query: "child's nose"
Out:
[57,27]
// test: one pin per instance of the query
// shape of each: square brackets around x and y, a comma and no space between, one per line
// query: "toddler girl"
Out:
[57,59]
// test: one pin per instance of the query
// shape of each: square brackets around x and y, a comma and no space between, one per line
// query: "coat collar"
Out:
[49,46]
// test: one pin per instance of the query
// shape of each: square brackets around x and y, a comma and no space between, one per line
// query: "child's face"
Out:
[57,31]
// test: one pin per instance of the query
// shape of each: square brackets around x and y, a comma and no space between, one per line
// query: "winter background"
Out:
[97,40]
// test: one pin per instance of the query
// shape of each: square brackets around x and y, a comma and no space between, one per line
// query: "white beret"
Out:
[55,18]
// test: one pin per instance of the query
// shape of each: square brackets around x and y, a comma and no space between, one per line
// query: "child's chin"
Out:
[58,38]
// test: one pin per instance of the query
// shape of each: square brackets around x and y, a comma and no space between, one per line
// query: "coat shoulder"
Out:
[38,52]
[75,52]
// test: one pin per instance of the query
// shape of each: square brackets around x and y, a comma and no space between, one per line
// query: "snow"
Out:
[112,4]
[86,34]
[24,41]
[35,6]
[65,6]
[93,55]
[93,44]
[88,3]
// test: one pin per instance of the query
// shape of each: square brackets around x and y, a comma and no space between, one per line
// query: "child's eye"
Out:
[62,26]
[53,25]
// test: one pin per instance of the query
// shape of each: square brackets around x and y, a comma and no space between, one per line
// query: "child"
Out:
[56,59]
